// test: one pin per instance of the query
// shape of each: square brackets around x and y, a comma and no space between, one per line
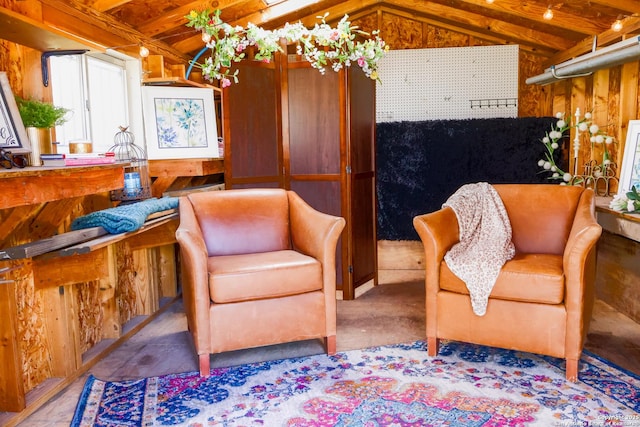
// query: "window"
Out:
[94,88]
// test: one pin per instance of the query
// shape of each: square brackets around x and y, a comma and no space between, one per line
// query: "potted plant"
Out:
[38,118]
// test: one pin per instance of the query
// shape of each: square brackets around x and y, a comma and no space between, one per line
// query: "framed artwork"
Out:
[13,136]
[630,172]
[179,122]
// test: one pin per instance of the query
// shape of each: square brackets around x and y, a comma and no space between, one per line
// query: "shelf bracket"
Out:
[44,63]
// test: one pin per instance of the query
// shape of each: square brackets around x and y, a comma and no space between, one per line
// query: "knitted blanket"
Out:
[124,218]
[485,240]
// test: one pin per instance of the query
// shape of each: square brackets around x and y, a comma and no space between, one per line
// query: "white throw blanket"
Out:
[485,240]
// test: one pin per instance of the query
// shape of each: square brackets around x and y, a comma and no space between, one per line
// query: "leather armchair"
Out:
[258,268]
[543,297]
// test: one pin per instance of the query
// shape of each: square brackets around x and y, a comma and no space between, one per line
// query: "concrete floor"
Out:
[386,314]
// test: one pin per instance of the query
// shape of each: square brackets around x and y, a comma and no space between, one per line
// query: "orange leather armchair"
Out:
[258,268]
[543,297]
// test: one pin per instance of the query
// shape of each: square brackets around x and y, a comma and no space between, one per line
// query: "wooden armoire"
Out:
[287,125]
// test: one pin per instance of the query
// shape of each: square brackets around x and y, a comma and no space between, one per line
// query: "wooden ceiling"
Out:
[160,24]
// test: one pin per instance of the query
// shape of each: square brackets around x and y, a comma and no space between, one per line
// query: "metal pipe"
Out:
[610,56]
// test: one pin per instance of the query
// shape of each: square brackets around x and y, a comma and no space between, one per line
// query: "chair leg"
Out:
[572,370]
[205,365]
[432,346]
[330,343]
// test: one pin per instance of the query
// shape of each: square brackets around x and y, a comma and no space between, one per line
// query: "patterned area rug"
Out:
[397,385]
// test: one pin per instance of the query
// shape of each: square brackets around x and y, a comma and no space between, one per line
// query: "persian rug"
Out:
[395,385]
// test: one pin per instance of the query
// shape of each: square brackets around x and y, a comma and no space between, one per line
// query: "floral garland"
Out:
[551,143]
[320,46]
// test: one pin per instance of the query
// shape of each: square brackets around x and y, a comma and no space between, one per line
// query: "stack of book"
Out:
[57,160]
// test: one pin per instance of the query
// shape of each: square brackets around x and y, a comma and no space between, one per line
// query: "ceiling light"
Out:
[490,1]
[548,14]
[144,52]
[617,26]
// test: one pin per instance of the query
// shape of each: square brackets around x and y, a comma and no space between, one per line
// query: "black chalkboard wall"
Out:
[420,164]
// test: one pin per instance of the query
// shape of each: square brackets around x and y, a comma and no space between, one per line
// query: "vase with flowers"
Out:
[597,175]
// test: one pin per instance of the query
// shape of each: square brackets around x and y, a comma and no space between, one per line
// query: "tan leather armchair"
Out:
[543,297]
[258,268]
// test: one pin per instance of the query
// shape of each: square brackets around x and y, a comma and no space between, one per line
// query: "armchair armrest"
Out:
[314,233]
[579,265]
[195,276]
[439,231]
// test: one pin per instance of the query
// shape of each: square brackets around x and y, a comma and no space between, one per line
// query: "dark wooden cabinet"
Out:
[287,125]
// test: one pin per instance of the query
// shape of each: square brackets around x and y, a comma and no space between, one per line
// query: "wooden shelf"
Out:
[185,167]
[177,81]
[33,185]
[36,35]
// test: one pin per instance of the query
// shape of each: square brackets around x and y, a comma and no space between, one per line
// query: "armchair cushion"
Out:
[527,278]
[234,278]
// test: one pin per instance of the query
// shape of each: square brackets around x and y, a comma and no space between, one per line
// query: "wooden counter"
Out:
[65,310]
[618,272]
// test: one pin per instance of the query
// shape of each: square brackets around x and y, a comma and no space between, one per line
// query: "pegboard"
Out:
[448,83]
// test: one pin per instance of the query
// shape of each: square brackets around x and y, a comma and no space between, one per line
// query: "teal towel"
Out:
[124,218]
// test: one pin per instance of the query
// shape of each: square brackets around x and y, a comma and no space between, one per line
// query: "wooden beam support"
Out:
[30,186]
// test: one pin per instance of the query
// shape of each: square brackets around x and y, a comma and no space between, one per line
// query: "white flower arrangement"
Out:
[626,202]
[320,46]
[552,141]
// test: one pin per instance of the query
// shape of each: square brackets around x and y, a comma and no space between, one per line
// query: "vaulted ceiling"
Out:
[160,24]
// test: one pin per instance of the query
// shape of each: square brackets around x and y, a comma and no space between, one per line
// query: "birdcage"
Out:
[137,184]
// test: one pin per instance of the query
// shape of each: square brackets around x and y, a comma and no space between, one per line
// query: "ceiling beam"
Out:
[631,6]
[467,21]
[77,18]
[527,10]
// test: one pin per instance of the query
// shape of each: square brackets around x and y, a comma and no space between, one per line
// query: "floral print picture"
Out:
[180,122]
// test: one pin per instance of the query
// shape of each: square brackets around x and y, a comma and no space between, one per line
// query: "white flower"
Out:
[554,145]
[631,206]
[619,202]
[547,165]
[556,175]
[540,162]
[561,124]
[587,115]
[559,115]
[553,169]
[546,140]
[608,140]
[582,127]
[593,129]
[566,177]
[599,139]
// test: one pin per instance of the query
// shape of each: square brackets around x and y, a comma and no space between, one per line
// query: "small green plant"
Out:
[40,114]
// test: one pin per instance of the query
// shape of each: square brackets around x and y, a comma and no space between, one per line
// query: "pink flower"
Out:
[225,82]
[335,35]
[266,60]
[361,61]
